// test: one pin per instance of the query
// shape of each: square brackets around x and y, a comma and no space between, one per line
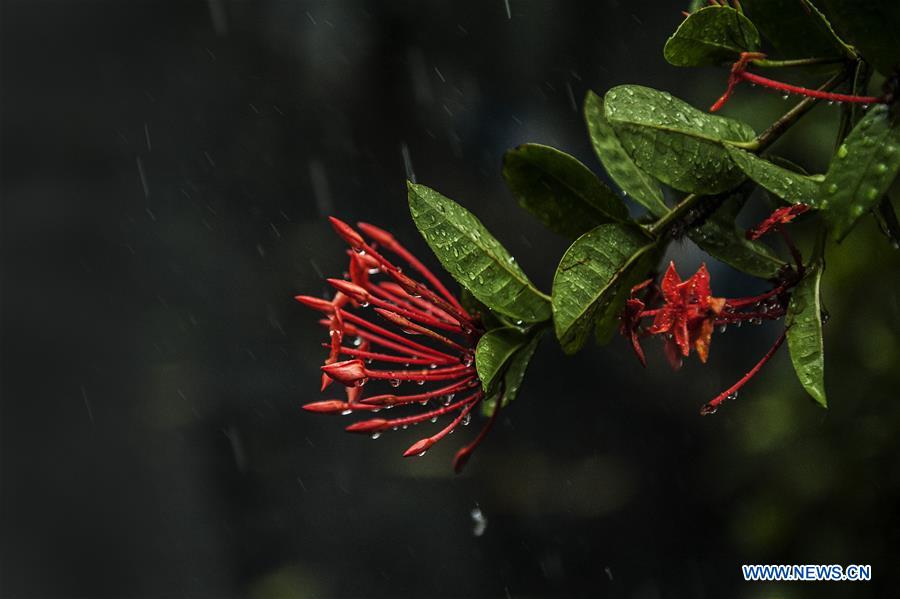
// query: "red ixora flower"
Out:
[427,338]
[689,314]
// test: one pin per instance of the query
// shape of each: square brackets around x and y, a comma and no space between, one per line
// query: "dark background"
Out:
[166,171]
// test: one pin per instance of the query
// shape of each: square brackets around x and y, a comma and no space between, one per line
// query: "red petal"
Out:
[670,284]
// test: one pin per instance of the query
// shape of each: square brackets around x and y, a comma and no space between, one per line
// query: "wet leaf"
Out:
[713,35]
[590,275]
[514,375]
[721,238]
[489,320]
[804,334]
[474,258]
[606,321]
[861,170]
[560,191]
[673,141]
[634,182]
[494,350]
[871,26]
[787,185]
[796,28]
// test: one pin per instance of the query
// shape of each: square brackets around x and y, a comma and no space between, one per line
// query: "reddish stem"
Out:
[805,91]
[412,328]
[713,405]
[391,243]
[372,426]
[359,353]
[462,456]
[421,446]
[421,349]
[393,400]
[438,374]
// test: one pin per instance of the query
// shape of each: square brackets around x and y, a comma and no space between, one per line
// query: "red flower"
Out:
[442,356]
[688,314]
[781,216]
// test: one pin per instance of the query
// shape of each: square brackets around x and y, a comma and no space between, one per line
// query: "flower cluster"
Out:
[441,355]
[687,314]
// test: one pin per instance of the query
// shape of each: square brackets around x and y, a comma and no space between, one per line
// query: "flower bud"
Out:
[367,426]
[347,233]
[315,303]
[418,448]
[351,373]
[328,406]
[351,290]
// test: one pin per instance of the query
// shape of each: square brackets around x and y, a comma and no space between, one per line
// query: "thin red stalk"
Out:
[391,243]
[423,445]
[805,91]
[389,399]
[336,406]
[462,456]
[729,317]
[713,404]
[415,315]
[421,349]
[407,420]
[358,353]
[746,301]
[351,330]
[395,291]
[395,273]
[401,298]
[795,253]
[438,374]
[416,329]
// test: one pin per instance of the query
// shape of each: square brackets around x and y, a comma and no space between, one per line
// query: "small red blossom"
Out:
[781,216]
[689,314]
[427,338]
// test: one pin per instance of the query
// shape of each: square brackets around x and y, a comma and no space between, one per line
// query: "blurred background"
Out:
[166,172]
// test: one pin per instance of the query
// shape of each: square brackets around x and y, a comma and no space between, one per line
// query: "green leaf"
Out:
[796,28]
[871,26]
[560,191]
[513,377]
[633,182]
[493,352]
[721,238]
[489,320]
[862,170]
[713,35]
[474,258]
[673,141]
[787,185]
[804,334]
[606,321]
[590,275]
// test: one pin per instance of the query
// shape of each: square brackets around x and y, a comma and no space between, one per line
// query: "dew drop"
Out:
[422,453]
[420,382]
[375,435]
[394,382]
[346,412]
